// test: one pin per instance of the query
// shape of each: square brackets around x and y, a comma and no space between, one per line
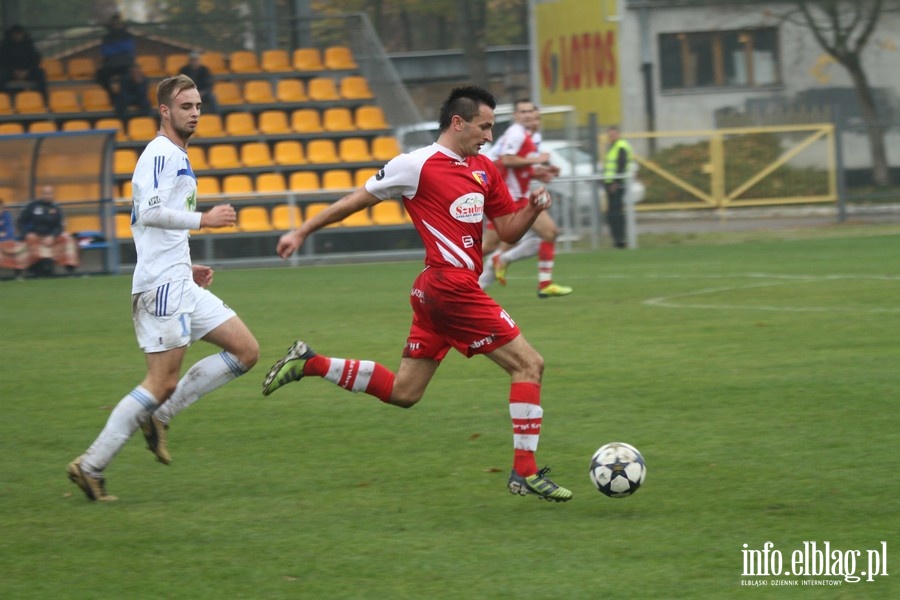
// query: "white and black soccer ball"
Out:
[617,469]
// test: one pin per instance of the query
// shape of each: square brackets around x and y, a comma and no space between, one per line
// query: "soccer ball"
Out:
[617,469]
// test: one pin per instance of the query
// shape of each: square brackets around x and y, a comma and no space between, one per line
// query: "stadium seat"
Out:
[337,179]
[275,61]
[288,152]
[306,120]
[315,208]
[211,126]
[114,124]
[354,149]
[5,104]
[81,68]
[208,186]
[42,127]
[286,216]
[240,124]
[355,87]
[53,69]
[274,122]
[197,158]
[222,230]
[237,184]
[322,151]
[259,91]
[175,62]
[125,190]
[308,59]
[256,154]
[337,119]
[389,212]
[228,93]
[290,90]
[243,61]
[142,128]
[77,192]
[95,99]
[361,176]
[215,62]
[11,128]
[64,101]
[79,223]
[123,226]
[223,156]
[29,102]
[371,117]
[76,125]
[358,219]
[322,89]
[254,218]
[124,161]
[385,147]
[150,64]
[304,181]
[270,183]
[339,58]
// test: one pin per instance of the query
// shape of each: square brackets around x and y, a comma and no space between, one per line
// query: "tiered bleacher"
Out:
[294,131]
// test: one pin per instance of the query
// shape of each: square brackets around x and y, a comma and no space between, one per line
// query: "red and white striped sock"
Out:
[546,252]
[354,375]
[527,415]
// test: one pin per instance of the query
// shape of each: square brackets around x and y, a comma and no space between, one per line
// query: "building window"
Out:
[719,59]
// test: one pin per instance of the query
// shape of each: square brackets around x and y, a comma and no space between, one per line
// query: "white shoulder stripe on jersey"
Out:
[451,247]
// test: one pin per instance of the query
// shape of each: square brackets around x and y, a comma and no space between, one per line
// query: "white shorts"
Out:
[175,314]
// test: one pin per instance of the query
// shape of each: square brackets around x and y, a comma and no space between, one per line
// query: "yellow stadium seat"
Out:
[211,126]
[337,179]
[77,192]
[215,62]
[354,150]
[142,128]
[29,102]
[256,154]
[81,68]
[95,99]
[270,182]
[53,69]
[363,175]
[371,117]
[315,208]
[338,119]
[322,151]
[308,59]
[197,158]
[175,62]
[290,90]
[11,128]
[123,225]
[221,230]
[358,219]
[227,93]
[5,104]
[259,91]
[389,212]
[275,61]
[125,190]
[322,89]
[124,161]
[274,122]
[112,123]
[304,181]
[339,57]
[64,100]
[223,156]
[385,147]
[286,216]
[76,125]
[78,223]
[254,218]
[208,186]
[237,184]
[151,65]
[239,124]
[243,61]
[306,120]
[355,87]
[42,127]
[288,152]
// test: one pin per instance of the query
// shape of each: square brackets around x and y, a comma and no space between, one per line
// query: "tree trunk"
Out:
[874,127]
[472,18]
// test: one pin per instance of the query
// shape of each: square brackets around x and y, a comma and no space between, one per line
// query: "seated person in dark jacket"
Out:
[131,90]
[118,51]
[20,63]
[202,76]
[42,227]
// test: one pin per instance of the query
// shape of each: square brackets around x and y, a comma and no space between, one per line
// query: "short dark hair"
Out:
[466,102]
[172,86]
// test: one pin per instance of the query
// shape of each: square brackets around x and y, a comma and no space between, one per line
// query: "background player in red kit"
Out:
[448,189]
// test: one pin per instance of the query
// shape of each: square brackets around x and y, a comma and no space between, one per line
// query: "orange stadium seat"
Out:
[354,149]
[239,124]
[215,62]
[290,90]
[53,69]
[338,119]
[306,120]
[254,218]
[142,128]
[270,182]
[78,223]
[197,158]
[237,184]
[208,186]
[363,175]
[29,102]
[227,93]
[64,100]
[243,61]
[11,128]
[123,226]
[355,87]
[339,57]
[81,68]
[5,104]
[322,151]
[358,219]
[274,122]
[211,126]
[76,125]
[322,89]
[304,181]
[175,62]
[259,91]
[371,117]
[125,190]
[114,124]
[315,208]
[385,147]
[275,61]
[286,216]
[42,127]
[337,179]
[389,212]
[95,99]
[223,156]
[256,154]
[124,161]
[307,59]
[288,152]
[151,65]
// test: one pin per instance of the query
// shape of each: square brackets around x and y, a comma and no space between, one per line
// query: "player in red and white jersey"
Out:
[518,154]
[448,188]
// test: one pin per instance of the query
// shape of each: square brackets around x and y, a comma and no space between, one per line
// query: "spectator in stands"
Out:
[42,227]
[20,63]
[118,51]
[202,76]
[131,91]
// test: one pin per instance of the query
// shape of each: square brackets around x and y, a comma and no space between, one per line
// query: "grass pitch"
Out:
[759,380]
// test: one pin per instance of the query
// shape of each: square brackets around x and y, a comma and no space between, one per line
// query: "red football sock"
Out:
[527,415]
[546,252]
[354,375]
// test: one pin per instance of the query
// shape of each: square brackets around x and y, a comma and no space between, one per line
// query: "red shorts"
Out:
[451,310]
